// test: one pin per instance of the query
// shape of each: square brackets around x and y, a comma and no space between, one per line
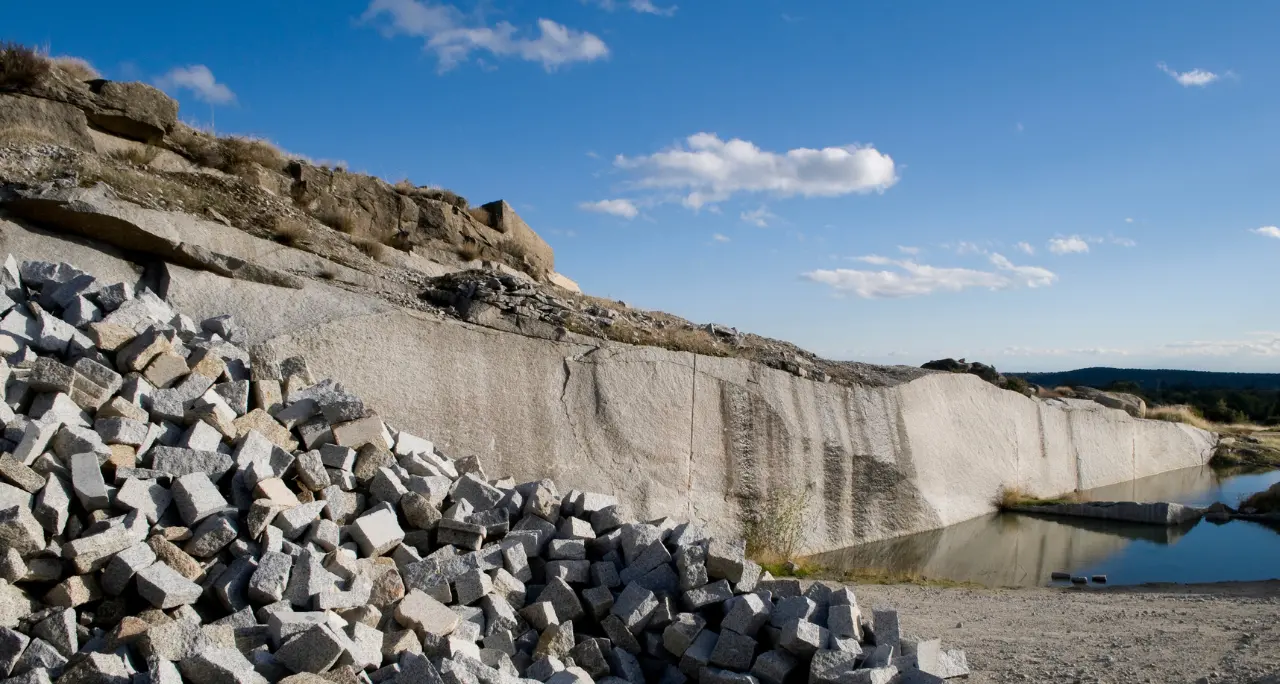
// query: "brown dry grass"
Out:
[337,218]
[138,156]
[443,195]
[372,248]
[233,154]
[774,531]
[75,68]
[1013,497]
[288,231]
[21,67]
[1179,413]
[468,251]
[26,135]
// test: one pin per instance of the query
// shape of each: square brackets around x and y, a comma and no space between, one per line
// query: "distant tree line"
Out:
[1218,405]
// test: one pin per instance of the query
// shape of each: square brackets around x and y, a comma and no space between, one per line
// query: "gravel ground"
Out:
[1225,633]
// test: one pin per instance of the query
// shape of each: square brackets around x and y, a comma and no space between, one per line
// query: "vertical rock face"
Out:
[674,434]
[671,433]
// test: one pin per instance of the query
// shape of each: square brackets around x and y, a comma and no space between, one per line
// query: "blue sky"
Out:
[1040,186]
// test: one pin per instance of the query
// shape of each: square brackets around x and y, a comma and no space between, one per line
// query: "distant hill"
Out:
[1151,380]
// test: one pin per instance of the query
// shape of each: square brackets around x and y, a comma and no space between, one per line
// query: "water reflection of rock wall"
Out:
[999,549]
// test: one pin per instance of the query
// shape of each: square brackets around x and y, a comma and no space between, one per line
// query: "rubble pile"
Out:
[177,507]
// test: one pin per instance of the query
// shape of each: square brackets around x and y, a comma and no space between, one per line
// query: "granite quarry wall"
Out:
[671,433]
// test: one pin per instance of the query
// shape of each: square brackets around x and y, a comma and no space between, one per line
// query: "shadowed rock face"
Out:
[671,433]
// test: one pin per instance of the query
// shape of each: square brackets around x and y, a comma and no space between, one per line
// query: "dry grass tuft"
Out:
[76,68]
[1014,497]
[26,135]
[240,153]
[21,67]
[443,195]
[774,532]
[288,231]
[338,219]
[233,154]
[328,273]
[138,156]
[482,215]
[1180,413]
[372,248]
[468,251]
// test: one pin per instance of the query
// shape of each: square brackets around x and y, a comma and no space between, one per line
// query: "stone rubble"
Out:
[178,508]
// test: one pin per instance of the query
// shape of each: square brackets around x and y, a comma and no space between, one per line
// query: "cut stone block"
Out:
[377,533]
[197,498]
[147,497]
[315,650]
[164,588]
[425,615]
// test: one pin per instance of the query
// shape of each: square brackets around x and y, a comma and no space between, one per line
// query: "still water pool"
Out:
[1009,549]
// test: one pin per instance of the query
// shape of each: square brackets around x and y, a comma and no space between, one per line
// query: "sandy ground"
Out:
[1228,633]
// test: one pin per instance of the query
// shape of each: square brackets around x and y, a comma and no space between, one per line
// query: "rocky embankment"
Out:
[178,505]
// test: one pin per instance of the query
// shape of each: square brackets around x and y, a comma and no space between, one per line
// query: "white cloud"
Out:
[198,79]
[617,207]
[641,6]
[1123,241]
[1187,79]
[1068,245]
[1128,220]
[1268,231]
[758,217]
[453,36]
[720,238]
[909,250]
[711,170]
[1025,248]
[913,279]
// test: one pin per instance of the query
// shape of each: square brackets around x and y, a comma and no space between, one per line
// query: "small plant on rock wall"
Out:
[775,530]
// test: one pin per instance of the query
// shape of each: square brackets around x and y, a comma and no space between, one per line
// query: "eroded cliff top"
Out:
[74,151]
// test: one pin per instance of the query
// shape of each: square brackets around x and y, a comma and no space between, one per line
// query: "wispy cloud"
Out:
[1025,248]
[720,238]
[1128,220]
[1251,345]
[1195,77]
[616,207]
[453,36]
[1068,245]
[1122,241]
[909,250]
[911,279]
[706,170]
[1019,127]
[199,81]
[641,6]
[1268,231]
[758,217]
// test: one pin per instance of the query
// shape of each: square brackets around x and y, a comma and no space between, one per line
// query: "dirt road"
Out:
[1228,633]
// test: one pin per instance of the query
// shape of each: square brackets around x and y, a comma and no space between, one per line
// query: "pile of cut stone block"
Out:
[177,507]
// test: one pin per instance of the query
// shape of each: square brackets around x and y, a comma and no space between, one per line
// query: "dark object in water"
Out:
[1079,580]
[1063,576]
[1099,579]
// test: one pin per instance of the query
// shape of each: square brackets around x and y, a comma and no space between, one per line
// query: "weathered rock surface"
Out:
[874,461]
